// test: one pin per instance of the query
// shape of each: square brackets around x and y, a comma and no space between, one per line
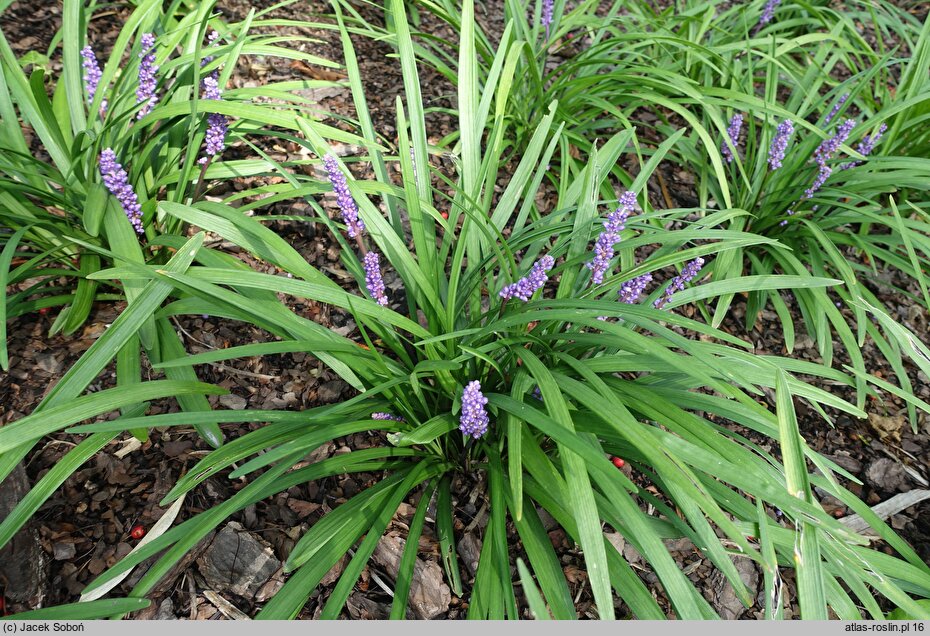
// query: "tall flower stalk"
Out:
[604,245]
[733,130]
[527,286]
[117,182]
[148,81]
[474,420]
[688,272]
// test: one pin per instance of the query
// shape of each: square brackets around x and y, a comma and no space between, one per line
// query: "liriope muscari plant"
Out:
[492,370]
[86,192]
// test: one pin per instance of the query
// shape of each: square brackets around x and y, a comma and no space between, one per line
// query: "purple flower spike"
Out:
[92,75]
[780,143]
[631,290]
[474,419]
[836,108]
[217,124]
[825,152]
[212,41]
[604,246]
[373,281]
[117,182]
[387,416]
[768,12]
[678,283]
[527,286]
[736,124]
[866,146]
[354,225]
[148,81]
[547,8]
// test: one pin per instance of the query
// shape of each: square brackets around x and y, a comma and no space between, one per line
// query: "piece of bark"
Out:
[23,564]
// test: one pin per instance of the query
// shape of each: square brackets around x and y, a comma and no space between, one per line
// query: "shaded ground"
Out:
[86,526]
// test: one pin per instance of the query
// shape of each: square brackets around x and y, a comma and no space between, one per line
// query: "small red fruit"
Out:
[619,463]
[43,311]
[137,532]
[444,215]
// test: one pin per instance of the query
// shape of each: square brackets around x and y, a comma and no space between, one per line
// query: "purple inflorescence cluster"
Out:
[474,419]
[148,81]
[354,225]
[604,246]
[547,9]
[736,124]
[117,182]
[678,283]
[92,75]
[836,108]
[387,416]
[217,124]
[373,281]
[825,152]
[631,291]
[768,12]
[527,286]
[866,146]
[780,143]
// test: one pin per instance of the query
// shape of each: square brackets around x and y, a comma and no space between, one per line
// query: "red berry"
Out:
[444,215]
[137,532]
[619,463]
[43,311]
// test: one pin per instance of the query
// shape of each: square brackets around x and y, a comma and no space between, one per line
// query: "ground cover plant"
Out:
[526,323]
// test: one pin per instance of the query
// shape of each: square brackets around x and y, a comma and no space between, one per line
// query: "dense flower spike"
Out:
[604,246]
[92,74]
[768,12]
[866,146]
[780,143]
[678,283]
[836,108]
[117,182]
[736,124]
[217,124]
[147,76]
[212,40]
[474,419]
[527,286]
[373,281]
[387,416]
[825,152]
[547,7]
[354,225]
[631,290]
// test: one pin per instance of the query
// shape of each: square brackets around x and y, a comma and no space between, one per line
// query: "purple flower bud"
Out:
[117,182]
[354,225]
[736,124]
[604,246]
[546,19]
[387,416]
[92,74]
[537,394]
[631,290]
[217,124]
[768,12]
[866,146]
[474,419]
[678,283]
[527,286]
[780,143]
[148,81]
[836,108]
[373,281]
